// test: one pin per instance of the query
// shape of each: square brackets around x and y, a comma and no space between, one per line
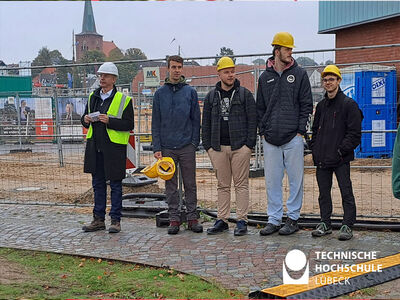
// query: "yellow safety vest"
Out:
[116,109]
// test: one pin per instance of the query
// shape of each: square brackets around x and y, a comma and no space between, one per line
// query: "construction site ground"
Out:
[33,219]
[38,176]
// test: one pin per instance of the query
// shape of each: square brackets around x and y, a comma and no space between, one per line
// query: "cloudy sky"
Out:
[200,28]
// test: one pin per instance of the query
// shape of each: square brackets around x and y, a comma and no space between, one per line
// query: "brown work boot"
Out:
[97,224]
[115,226]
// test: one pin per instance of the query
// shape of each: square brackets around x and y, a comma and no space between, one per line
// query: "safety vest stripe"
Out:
[120,109]
[90,96]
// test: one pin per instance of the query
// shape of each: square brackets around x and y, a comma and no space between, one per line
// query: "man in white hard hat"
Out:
[284,103]
[229,132]
[109,118]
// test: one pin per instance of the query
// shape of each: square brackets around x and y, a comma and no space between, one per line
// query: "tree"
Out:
[328,62]
[128,71]
[306,61]
[57,58]
[115,54]
[42,59]
[224,51]
[46,57]
[135,53]
[80,73]
[259,62]
[61,72]
[92,56]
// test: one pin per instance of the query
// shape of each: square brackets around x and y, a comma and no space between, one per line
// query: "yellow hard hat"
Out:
[166,168]
[225,62]
[331,69]
[151,171]
[284,39]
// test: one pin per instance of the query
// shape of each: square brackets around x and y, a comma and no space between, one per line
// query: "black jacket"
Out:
[336,131]
[242,120]
[114,154]
[284,104]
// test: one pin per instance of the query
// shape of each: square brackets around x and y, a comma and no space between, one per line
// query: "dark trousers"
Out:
[186,159]
[100,192]
[324,179]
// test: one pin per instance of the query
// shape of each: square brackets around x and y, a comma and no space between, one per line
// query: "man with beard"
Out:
[284,103]
[229,131]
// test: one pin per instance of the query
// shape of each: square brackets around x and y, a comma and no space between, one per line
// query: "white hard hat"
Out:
[108,68]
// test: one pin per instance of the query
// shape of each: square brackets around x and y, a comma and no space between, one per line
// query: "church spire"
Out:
[88,25]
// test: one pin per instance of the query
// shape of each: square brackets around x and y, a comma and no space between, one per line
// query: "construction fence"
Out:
[42,141]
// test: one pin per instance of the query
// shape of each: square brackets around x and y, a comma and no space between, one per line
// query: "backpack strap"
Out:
[211,97]
[241,95]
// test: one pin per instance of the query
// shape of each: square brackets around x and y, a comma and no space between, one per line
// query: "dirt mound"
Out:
[12,273]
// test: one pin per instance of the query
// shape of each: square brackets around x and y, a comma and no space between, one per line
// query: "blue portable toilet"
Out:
[375,93]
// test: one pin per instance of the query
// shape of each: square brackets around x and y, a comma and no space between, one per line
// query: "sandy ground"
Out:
[41,171]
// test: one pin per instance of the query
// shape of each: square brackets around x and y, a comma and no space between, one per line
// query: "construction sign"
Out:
[151,76]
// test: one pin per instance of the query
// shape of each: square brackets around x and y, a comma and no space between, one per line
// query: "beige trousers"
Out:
[230,164]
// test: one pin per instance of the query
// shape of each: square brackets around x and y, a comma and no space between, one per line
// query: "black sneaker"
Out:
[321,230]
[173,227]
[269,229]
[219,227]
[195,226]
[290,227]
[241,228]
[345,233]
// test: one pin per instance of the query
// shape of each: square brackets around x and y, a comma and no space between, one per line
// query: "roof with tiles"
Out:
[206,76]
[108,47]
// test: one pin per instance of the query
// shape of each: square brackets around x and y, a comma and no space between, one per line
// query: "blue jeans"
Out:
[100,192]
[276,159]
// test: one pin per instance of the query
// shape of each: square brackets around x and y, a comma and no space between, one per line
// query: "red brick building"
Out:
[203,78]
[363,23]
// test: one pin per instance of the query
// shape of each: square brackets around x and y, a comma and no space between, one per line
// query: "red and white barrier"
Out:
[131,154]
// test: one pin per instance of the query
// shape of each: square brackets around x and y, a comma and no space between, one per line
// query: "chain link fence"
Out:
[42,141]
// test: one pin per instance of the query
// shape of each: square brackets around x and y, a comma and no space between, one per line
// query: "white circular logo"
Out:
[290,78]
[295,260]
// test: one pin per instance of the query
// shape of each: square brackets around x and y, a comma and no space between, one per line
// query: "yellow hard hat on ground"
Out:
[151,171]
[284,39]
[331,69]
[166,168]
[225,62]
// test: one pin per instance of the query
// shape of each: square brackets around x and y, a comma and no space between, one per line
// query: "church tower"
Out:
[88,39]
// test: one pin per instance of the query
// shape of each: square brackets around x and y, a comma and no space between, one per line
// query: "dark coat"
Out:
[175,116]
[336,131]
[114,154]
[284,104]
[242,120]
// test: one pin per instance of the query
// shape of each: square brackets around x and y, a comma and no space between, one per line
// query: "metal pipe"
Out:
[307,223]
[207,57]
[19,121]
[58,130]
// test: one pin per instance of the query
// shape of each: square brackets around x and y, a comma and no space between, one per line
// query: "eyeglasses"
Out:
[331,79]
